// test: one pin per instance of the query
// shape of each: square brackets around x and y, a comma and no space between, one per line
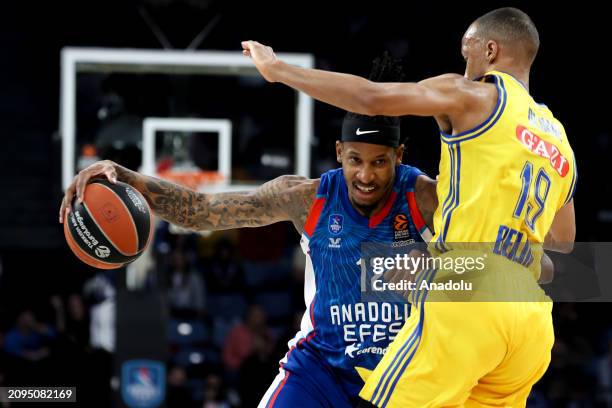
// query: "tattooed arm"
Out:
[286,198]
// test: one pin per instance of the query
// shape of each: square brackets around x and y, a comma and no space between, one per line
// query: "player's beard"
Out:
[367,209]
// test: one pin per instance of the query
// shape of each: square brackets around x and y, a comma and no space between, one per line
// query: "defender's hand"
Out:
[263,57]
[105,168]
[547,270]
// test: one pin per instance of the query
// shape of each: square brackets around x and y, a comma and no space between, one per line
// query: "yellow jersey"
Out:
[503,181]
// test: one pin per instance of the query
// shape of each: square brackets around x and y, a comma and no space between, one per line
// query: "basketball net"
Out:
[193,179]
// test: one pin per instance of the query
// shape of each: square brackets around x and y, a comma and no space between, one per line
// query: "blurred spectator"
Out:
[214,395]
[258,370]
[29,339]
[100,293]
[28,347]
[186,288]
[206,244]
[71,355]
[568,382]
[226,274]
[77,325]
[178,393]
[241,339]
[265,244]
[603,367]
[3,397]
[2,359]
[290,332]
[165,240]
[298,266]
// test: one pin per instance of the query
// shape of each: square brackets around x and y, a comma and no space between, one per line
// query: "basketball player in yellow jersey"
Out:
[507,175]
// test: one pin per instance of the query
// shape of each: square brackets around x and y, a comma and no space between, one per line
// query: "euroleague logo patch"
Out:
[542,148]
[400,222]
[400,226]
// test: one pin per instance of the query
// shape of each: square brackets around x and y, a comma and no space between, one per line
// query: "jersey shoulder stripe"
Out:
[490,121]
[313,216]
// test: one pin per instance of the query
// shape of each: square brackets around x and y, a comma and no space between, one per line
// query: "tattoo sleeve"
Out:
[286,198]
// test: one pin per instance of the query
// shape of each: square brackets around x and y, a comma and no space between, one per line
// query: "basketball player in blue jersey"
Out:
[507,177]
[371,198]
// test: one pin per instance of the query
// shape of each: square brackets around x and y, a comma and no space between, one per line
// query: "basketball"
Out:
[111,227]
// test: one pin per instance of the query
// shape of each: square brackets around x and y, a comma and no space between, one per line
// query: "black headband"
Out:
[359,130]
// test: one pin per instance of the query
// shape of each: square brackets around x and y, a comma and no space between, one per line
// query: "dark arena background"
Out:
[214,311]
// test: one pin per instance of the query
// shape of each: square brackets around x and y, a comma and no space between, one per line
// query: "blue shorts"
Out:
[306,380]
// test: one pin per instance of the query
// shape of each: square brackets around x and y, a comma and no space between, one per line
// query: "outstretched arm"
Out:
[447,95]
[286,198]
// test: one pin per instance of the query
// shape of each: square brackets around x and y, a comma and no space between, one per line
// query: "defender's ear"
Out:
[492,51]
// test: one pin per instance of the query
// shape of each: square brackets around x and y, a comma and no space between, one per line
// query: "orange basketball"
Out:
[111,227]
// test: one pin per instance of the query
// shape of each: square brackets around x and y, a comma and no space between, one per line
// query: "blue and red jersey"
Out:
[342,328]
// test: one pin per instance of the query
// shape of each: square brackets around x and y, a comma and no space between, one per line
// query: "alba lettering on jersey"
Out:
[542,148]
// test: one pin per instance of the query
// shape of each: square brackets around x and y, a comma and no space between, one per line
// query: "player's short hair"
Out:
[511,26]
[384,69]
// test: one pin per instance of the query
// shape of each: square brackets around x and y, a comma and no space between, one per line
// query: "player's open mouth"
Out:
[364,189]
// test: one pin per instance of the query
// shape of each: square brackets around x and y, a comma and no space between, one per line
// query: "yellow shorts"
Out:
[466,353]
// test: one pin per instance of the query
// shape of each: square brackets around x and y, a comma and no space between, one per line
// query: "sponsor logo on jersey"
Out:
[334,242]
[355,350]
[369,322]
[543,124]
[399,244]
[335,223]
[542,148]
[351,348]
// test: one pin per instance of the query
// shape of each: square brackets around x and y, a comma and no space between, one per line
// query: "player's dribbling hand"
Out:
[263,57]
[101,169]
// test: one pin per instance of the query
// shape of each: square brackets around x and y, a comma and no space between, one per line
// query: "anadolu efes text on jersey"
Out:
[345,330]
